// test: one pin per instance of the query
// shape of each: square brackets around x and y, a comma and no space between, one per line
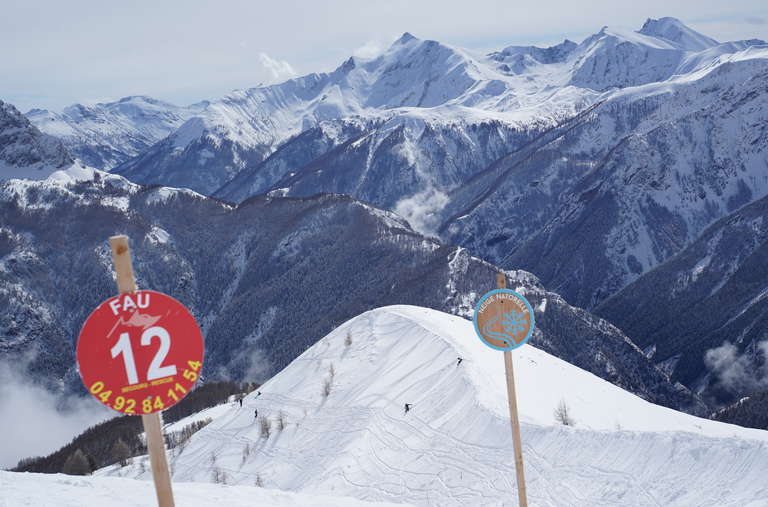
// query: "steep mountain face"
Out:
[750,412]
[291,157]
[265,279]
[106,135]
[702,314]
[25,152]
[382,164]
[596,346]
[655,190]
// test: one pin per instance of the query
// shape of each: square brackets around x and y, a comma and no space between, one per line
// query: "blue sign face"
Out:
[503,319]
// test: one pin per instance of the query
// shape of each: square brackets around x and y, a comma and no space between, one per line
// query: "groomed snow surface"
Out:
[453,448]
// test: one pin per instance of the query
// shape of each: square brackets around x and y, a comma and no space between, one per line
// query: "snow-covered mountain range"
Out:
[505,154]
[106,135]
[454,446]
[589,165]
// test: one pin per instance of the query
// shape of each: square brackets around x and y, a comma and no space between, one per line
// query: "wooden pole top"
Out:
[123,267]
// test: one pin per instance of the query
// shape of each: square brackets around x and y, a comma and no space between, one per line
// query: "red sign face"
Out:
[140,352]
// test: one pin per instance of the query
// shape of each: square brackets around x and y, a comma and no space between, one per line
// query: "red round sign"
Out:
[140,352]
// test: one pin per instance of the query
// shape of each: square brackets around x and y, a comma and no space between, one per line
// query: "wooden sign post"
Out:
[152,424]
[139,353]
[501,283]
[504,321]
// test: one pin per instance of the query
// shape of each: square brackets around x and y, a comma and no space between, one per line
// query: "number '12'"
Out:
[155,371]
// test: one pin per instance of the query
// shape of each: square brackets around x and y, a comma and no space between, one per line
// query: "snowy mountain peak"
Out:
[348,66]
[619,58]
[675,30]
[405,39]
[550,55]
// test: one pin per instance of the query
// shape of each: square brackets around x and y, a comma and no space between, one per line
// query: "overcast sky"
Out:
[55,53]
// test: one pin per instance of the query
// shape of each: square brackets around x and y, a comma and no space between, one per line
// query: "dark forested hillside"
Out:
[265,279]
[98,441]
[703,314]
[750,412]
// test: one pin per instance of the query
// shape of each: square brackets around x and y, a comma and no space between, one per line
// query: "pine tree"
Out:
[92,464]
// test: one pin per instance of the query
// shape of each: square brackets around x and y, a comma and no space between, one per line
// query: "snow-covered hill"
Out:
[454,447]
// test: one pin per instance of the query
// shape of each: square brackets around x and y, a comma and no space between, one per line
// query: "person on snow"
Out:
[459,362]
[256,413]
[407,407]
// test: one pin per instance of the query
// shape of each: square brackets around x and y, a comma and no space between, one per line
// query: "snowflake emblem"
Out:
[513,322]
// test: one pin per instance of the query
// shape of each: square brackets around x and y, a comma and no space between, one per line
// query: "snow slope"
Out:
[454,446]
[67,491]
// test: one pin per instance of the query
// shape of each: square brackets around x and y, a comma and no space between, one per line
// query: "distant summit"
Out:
[406,38]
[674,30]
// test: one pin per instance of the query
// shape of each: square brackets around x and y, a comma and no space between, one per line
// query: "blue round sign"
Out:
[503,319]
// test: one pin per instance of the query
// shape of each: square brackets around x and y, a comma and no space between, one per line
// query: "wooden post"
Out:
[152,425]
[501,283]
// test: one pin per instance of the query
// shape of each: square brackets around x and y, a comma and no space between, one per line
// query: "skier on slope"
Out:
[407,407]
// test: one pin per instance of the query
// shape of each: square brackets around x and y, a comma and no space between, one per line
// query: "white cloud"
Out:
[32,423]
[421,209]
[258,367]
[279,70]
[370,49]
[736,372]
